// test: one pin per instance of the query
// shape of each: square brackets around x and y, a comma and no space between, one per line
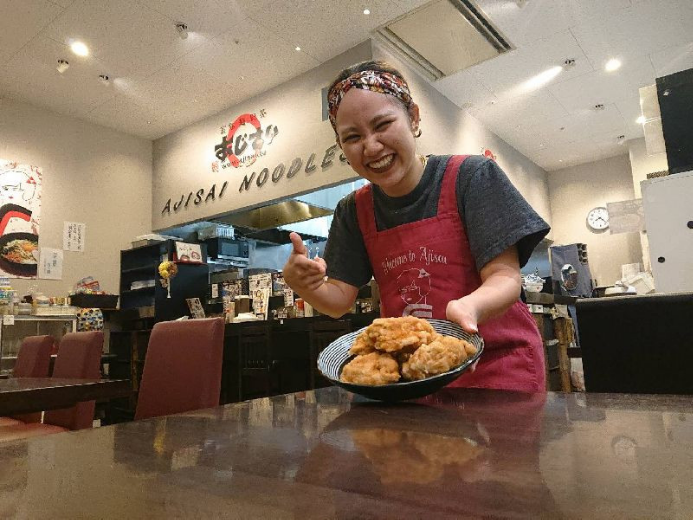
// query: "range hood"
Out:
[263,223]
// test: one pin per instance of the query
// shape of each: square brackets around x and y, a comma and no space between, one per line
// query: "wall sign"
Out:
[280,173]
[244,142]
[51,264]
[74,235]
[627,216]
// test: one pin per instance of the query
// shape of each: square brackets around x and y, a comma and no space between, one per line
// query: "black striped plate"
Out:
[336,355]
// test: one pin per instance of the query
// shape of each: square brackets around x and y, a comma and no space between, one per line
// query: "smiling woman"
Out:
[451,230]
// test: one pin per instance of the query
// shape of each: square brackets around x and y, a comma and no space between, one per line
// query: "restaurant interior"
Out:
[156,155]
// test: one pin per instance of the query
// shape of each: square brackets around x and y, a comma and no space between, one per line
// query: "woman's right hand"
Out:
[300,272]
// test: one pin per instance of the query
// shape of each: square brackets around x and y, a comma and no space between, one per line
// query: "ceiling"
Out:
[160,83]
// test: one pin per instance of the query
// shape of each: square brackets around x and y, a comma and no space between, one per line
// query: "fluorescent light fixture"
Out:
[612,65]
[79,48]
[542,79]
[641,120]
[298,49]
[182,30]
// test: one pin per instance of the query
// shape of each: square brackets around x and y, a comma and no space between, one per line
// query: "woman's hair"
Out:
[374,65]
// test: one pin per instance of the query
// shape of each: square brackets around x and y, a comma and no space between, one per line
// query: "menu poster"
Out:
[74,234]
[189,253]
[20,207]
[232,289]
[50,264]
[288,296]
[259,281]
[261,302]
[196,309]
[626,216]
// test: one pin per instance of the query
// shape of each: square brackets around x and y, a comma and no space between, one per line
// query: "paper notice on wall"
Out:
[50,264]
[74,234]
[626,216]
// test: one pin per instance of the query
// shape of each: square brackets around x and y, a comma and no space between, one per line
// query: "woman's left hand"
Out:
[464,314]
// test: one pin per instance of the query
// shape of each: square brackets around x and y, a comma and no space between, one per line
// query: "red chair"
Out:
[33,360]
[34,357]
[79,357]
[182,368]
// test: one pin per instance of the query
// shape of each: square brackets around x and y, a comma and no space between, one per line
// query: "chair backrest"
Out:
[637,344]
[182,367]
[34,357]
[33,360]
[79,357]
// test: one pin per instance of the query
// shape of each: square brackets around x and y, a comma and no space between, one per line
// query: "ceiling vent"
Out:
[444,37]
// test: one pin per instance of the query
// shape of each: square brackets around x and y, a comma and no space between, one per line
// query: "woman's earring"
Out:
[417,134]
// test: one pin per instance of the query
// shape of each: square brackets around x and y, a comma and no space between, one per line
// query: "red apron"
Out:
[423,265]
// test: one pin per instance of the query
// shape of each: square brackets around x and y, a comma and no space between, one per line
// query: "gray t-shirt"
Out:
[493,212]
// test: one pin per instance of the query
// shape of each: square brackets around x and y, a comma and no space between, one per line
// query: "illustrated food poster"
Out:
[20,217]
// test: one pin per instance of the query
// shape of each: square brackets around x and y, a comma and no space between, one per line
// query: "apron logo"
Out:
[426,256]
[413,286]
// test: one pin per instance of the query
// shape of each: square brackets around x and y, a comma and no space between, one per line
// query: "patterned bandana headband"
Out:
[375,81]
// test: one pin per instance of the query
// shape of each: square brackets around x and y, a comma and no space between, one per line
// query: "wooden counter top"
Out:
[461,453]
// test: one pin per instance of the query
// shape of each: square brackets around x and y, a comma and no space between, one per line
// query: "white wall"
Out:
[446,129]
[91,174]
[573,192]
[641,164]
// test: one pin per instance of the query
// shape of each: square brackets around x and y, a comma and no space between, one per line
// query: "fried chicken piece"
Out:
[445,450]
[413,457]
[442,354]
[469,348]
[371,369]
[362,345]
[395,334]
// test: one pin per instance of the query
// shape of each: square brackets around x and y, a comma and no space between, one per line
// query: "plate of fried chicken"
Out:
[395,359]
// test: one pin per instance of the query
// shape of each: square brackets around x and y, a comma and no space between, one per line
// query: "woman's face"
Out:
[376,134]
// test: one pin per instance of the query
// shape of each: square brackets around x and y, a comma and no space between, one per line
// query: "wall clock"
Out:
[598,219]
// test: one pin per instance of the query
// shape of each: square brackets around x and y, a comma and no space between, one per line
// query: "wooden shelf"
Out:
[141,290]
[143,269]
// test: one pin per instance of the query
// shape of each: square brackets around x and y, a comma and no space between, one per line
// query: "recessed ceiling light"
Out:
[104,79]
[149,122]
[366,11]
[62,66]
[79,48]
[641,120]
[182,30]
[612,65]
[298,48]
